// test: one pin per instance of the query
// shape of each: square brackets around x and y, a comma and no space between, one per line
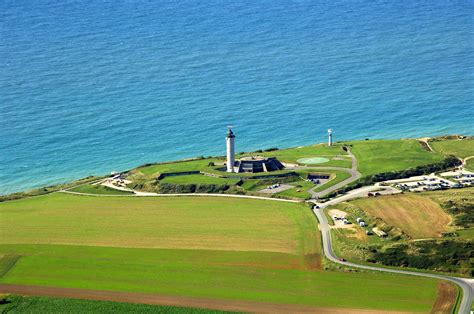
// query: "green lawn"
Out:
[459,148]
[379,156]
[470,164]
[299,191]
[199,179]
[209,247]
[466,233]
[249,276]
[179,166]
[160,222]
[23,304]
[98,189]
[291,155]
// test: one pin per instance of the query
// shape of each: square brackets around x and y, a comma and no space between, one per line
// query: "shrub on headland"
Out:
[445,255]
[171,188]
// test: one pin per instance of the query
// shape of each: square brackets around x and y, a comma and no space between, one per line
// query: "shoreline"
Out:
[103,175]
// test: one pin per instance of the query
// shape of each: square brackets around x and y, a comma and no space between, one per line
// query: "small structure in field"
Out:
[379,232]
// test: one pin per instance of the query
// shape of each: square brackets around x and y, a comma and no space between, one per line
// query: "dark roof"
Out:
[230,133]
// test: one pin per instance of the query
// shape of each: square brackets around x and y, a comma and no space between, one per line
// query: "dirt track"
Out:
[226,305]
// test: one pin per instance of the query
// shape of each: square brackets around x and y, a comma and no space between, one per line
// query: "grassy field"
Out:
[419,217]
[379,156]
[291,155]
[199,179]
[98,189]
[22,304]
[166,222]
[466,234]
[470,164]
[218,248]
[180,166]
[299,191]
[459,148]
[251,276]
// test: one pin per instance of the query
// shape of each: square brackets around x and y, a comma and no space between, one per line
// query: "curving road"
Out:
[353,172]
[466,286]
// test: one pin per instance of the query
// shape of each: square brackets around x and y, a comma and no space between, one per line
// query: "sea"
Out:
[90,87]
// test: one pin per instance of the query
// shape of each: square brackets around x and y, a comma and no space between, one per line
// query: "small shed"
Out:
[379,232]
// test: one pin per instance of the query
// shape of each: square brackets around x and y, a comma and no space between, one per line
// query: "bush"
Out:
[445,255]
[171,188]
[271,149]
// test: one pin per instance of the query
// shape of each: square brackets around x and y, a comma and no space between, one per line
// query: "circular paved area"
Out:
[312,160]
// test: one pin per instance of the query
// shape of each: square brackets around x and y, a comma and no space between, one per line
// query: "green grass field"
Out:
[291,155]
[470,164]
[22,304]
[166,222]
[180,166]
[377,156]
[209,247]
[459,148]
[199,179]
[98,189]
[299,191]
[250,276]
[466,233]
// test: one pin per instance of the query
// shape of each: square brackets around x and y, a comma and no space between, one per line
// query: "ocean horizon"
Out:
[90,88]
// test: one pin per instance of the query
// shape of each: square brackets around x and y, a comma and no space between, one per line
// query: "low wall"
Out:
[175,174]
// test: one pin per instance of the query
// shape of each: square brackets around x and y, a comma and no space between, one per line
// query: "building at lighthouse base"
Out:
[257,164]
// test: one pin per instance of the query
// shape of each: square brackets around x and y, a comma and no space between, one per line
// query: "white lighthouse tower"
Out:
[329,137]
[230,141]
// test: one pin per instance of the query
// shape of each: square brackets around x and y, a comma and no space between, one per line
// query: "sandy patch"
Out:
[339,224]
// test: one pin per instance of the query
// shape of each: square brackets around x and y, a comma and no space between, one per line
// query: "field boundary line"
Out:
[145,194]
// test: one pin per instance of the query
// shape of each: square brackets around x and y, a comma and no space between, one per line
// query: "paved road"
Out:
[465,284]
[354,176]
[353,172]
[144,194]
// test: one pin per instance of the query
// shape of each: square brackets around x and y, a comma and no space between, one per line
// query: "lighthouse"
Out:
[230,141]
[329,137]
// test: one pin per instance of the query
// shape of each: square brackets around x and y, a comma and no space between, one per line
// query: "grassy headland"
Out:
[378,156]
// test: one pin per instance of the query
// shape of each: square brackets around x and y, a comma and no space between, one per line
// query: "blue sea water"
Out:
[88,87]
